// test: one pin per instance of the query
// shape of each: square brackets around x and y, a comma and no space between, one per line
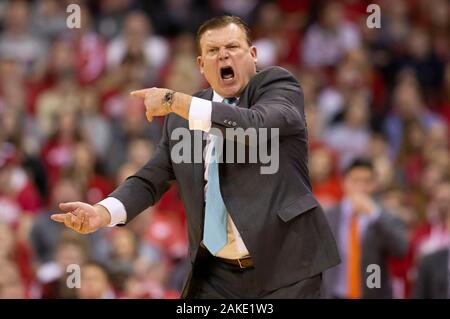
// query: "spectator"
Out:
[366,234]
[327,40]
[83,170]
[433,270]
[325,176]
[18,194]
[95,127]
[124,252]
[11,285]
[432,235]
[355,127]
[131,126]
[95,283]
[57,152]
[71,250]
[16,40]
[49,19]
[408,104]
[182,73]
[137,40]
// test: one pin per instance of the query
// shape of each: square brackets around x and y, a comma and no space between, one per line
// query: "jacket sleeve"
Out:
[148,184]
[393,233]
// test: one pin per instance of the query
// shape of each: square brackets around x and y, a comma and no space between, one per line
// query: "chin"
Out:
[231,92]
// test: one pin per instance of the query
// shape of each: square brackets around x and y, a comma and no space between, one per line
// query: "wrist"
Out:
[104,214]
[181,105]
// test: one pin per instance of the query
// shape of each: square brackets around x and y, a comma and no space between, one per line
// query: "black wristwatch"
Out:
[168,98]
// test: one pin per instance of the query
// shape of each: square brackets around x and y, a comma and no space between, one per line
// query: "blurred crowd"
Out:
[69,130]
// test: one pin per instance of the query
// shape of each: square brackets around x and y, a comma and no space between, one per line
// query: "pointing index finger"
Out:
[140,93]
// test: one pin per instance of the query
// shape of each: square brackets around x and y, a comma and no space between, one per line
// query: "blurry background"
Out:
[69,131]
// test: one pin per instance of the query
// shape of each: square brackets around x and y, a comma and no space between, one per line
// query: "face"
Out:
[94,283]
[226,60]
[321,165]
[359,180]
[123,244]
[69,253]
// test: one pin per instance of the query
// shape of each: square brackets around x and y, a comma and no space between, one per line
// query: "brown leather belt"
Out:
[243,263]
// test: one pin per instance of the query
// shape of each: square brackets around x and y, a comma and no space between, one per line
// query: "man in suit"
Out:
[433,274]
[366,235]
[251,234]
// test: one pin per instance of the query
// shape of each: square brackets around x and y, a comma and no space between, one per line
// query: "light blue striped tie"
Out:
[215,229]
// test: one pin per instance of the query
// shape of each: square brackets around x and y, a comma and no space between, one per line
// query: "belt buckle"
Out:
[240,264]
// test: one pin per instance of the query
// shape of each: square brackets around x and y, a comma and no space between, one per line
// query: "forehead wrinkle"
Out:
[219,42]
[214,45]
[235,34]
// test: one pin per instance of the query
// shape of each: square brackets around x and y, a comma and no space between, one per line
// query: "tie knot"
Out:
[230,100]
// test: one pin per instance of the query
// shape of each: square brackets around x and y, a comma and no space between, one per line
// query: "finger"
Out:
[85,225]
[58,218]
[82,218]
[68,220]
[149,116]
[140,93]
[68,207]
[76,223]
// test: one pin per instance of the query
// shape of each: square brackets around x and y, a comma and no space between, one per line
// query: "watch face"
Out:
[168,98]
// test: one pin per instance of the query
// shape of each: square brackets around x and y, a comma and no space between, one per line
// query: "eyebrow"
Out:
[228,44]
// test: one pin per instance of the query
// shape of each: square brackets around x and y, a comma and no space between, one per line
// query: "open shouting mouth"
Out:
[227,73]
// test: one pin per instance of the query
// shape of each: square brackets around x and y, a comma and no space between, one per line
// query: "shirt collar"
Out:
[218,98]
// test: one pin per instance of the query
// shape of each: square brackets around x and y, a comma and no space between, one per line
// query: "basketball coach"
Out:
[251,235]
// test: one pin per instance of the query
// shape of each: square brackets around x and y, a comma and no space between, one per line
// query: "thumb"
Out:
[67,207]
[149,116]
[140,93]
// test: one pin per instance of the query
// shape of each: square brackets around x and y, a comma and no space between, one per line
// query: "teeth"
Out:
[227,73]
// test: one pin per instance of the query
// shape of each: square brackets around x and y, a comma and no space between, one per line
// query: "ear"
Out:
[200,63]
[254,53]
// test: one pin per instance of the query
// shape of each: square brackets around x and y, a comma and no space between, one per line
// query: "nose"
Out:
[223,53]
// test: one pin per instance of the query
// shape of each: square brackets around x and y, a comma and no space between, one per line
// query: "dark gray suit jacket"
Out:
[280,221]
[384,237]
[433,276]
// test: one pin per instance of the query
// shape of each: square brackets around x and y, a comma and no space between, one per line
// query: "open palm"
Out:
[81,217]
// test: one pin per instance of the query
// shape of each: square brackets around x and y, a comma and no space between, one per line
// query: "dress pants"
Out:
[215,279]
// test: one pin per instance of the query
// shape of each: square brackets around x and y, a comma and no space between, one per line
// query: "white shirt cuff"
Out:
[115,209]
[200,114]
